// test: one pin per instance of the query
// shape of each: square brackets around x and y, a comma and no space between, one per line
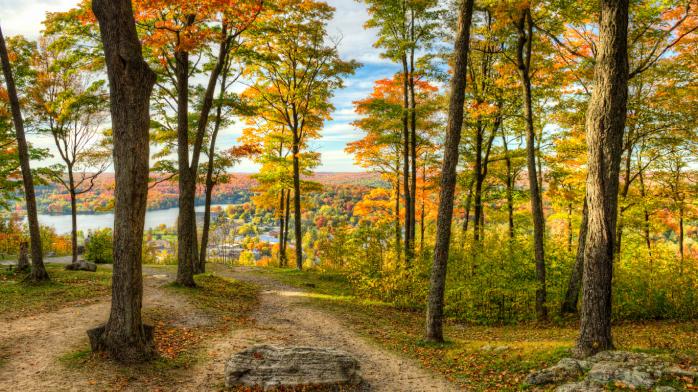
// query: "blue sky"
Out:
[25,16]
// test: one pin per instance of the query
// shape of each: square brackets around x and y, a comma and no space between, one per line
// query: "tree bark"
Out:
[210,184]
[297,202]
[435,301]
[605,123]
[73,217]
[466,213]
[523,59]
[282,200]
[510,187]
[187,183]
[569,305]
[409,214]
[131,82]
[413,139]
[23,259]
[286,224]
[38,273]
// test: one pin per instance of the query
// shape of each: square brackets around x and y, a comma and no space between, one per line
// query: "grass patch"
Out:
[66,288]
[226,299]
[479,358]
[319,282]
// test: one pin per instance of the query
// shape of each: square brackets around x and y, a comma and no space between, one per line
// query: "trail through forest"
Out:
[283,318]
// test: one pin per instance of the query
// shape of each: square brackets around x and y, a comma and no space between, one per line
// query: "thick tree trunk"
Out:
[605,123]
[297,204]
[437,287]
[38,271]
[569,305]
[525,29]
[187,183]
[130,84]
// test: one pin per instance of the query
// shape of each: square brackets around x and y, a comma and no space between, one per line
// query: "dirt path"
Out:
[284,317]
[36,342]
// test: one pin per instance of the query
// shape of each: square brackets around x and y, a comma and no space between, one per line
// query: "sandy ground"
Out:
[283,318]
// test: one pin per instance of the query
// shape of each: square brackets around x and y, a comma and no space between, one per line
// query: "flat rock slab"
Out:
[271,367]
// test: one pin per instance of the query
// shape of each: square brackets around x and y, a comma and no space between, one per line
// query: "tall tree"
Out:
[524,27]
[70,106]
[435,303]
[38,271]
[131,82]
[605,123]
[296,73]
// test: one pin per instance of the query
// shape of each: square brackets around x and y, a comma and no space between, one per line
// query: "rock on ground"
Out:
[634,370]
[82,265]
[271,367]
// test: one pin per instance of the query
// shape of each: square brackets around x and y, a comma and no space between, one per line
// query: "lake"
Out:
[87,222]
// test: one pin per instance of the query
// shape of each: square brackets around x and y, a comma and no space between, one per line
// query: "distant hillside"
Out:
[53,199]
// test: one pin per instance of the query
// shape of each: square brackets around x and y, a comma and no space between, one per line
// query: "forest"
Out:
[522,211]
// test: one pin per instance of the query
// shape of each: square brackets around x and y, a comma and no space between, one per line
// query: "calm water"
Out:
[87,222]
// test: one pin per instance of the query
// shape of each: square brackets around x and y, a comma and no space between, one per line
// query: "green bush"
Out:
[98,248]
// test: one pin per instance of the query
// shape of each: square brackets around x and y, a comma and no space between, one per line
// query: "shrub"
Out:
[98,247]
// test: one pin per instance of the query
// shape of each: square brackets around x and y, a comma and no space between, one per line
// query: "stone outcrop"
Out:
[270,367]
[632,370]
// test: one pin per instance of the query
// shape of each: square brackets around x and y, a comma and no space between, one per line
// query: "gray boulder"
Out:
[582,386]
[82,265]
[565,370]
[270,367]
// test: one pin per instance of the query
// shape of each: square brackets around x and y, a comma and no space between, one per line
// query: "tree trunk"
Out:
[286,224]
[210,184]
[435,301]
[605,123]
[38,273]
[421,218]
[187,183]
[73,216]
[525,30]
[510,187]
[646,225]
[466,217]
[413,143]
[623,196]
[569,305]
[282,200]
[398,230]
[409,214]
[479,179]
[131,82]
[23,259]
[297,203]
[681,239]
[569,227]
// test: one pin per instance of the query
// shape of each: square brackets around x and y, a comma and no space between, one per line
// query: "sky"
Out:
[25,16]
